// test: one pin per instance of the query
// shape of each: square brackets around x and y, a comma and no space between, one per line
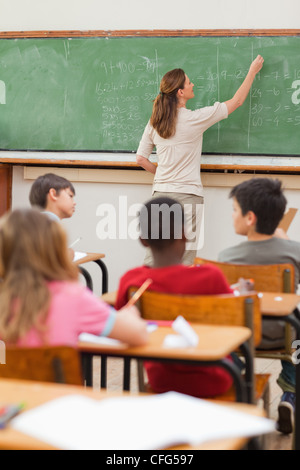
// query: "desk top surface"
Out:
[90,257]
[278,304]
[215,343]
[38,393]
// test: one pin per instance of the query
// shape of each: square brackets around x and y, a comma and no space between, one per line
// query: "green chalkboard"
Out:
[96,93]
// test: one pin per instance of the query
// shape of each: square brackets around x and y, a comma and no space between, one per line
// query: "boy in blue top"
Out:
[258,206]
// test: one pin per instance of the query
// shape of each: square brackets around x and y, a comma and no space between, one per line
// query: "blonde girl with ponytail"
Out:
[41,299]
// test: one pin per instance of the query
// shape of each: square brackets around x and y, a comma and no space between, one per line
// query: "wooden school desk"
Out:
[278,304]
[281,307]
[34,394]
[96,258]
[274,306]
[215,344]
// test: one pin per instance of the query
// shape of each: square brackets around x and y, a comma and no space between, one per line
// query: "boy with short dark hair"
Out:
[54,194]
[162,229]
[258,206]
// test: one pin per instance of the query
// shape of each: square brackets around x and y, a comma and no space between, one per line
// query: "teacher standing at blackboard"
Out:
[177,134]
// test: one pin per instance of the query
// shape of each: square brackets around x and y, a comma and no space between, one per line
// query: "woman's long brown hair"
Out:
[33,251]
[165,106]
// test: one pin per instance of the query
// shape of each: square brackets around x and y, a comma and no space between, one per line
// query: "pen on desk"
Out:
[138,293]
[76,241]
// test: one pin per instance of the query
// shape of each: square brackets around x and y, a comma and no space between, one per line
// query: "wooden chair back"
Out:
[287,219]
[60,364]
[267,278]
[227,309]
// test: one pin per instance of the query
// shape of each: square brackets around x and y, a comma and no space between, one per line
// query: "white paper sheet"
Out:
[135,423]
[79,255]
[186,335]
[89,338]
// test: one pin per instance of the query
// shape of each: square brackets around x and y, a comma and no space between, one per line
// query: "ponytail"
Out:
[165,106]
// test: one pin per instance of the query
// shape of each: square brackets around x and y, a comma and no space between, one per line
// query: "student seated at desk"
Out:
[162,229]
[55,195]
[258,207]
[41,300]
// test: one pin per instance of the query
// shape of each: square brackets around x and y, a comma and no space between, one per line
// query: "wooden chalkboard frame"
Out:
[66,159]
[150,33]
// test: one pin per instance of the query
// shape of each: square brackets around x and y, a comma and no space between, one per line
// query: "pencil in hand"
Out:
[138,293]
[76,241]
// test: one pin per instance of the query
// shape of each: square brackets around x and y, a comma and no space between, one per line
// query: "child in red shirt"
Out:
[166,240]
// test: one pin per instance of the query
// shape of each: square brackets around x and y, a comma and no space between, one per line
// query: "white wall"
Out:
[26,15]
[22,15]
[120,254]
[123,254]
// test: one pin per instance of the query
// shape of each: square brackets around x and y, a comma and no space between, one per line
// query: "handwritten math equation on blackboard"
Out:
[274,99]
[126,90]
[273,103]
[96,94]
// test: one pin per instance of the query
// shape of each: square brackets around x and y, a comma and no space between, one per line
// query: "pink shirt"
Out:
[74,309]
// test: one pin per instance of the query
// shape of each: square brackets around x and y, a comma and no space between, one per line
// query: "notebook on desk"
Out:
[76,422]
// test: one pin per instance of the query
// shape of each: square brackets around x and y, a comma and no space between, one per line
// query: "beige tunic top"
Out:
[179,156]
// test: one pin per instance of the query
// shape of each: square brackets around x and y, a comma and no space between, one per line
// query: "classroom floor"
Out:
[274,441]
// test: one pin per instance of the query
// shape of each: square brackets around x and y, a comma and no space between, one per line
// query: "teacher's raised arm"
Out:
[241,94]
[177,134]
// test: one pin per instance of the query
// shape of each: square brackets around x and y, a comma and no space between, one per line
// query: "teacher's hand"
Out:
[257,64]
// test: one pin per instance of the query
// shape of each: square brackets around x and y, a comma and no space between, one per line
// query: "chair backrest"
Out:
[60,364]
[267,278]
[287,219]
[227,309]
